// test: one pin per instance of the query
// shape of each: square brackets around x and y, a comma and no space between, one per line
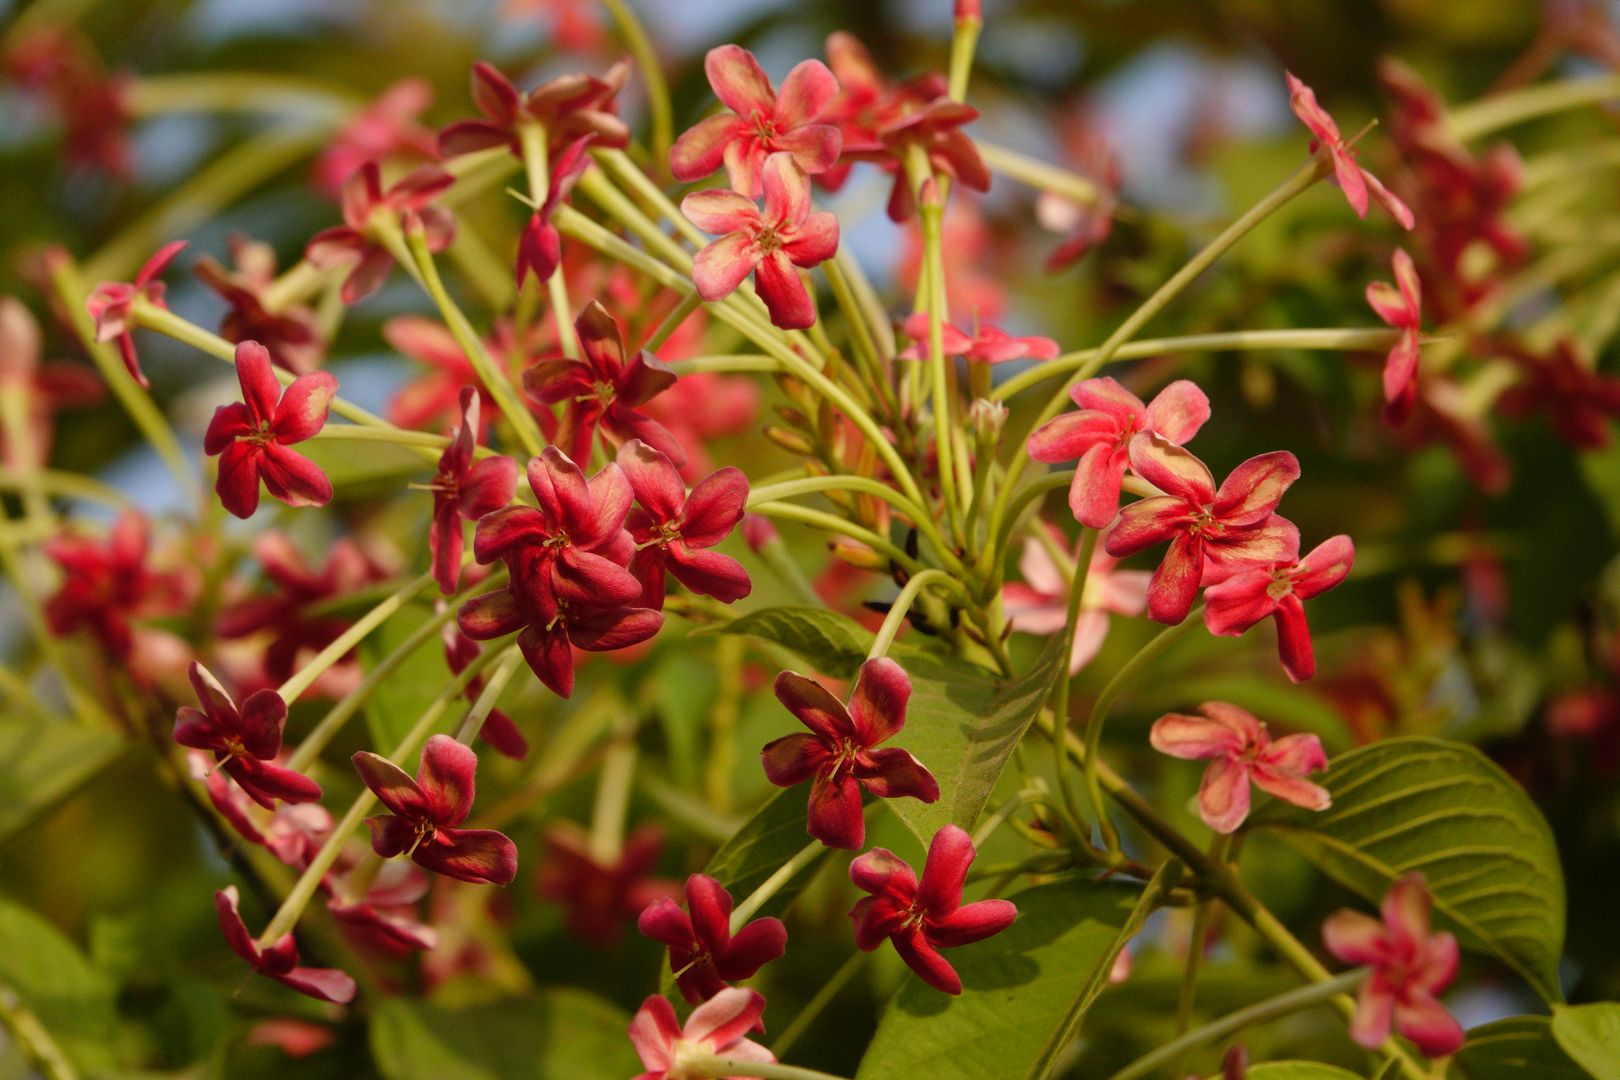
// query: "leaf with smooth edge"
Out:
[834,643]
[405,694]
[42,763]
[1516,1048]
[1590,1034]
[72,1000]
[1025,991]
[1445,809]
[1296,1070]
[767,840]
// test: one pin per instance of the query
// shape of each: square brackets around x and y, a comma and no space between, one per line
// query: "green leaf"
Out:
[1591,1035]
[1297,1070]
[835,644]
[1513,1049]
[767,840]
[71,1000]
[554,1034]
[1445,809]
[42,763]
[1025,991]
[401,698]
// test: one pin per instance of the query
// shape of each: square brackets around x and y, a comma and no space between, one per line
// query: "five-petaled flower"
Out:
[567,108]
[761,122]
[601,891]
[244,741]
[936,129]
[1400,305]
[1410,965]
[1280,590]
[1240,751]
[839,750]
[1212,533]
[106,585]
[370,214]
[252,436]
[279,961]
[923,917]
[464,490]
[112,305]
[770,244]
[1354,181]
[987,344]
[703,952]
[718,1026]
[427,811]
[1098,435]
[673,528]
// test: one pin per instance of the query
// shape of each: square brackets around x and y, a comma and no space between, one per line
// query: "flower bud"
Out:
[857,555]
[987,419]
[757,531]
[791,441]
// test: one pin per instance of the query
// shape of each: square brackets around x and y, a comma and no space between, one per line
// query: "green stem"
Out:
[672,322]
[933,291]
[238,92]
[773,884]
[658,103]
[1038,174]
[739,364]
[1219,847]
[902,606]
[1060,700]
[834,524]
[395,436]
[715,1066]
[963,43]
[301,679]
[824,996]
[613,801]
[33,1039]
[1504,110]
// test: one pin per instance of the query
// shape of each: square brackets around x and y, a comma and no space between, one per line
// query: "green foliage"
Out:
[52,979]
[767,840]
[42,763]
[1514,1049]
[1298,1070]
[1590,1034]
[834,643]
[401,698]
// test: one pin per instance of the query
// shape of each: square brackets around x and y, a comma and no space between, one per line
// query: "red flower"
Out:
[602,388]
[601,895]
[43,390]
[1040,603]
[1087,224]
[922,918]
[768,244]
[244,741]
[987,344]
[295,831]
[866,102]
[252,436]
[1401,308]
[427,811]
[464,490]
[1240,751]
[1354,181]
[761,122]
[937,128]
[1410,965]
[1099,436]
[703,953]
[288,332]
[386,916]
[279,961]
[575,24]
[672,528]
[356,242]
[1280,590]
[387,127]
[111,302]
[540,247]
[499,731]
[1212,533]
[1579,401]
[94,107]
[839,752]
[106,585]
[570,108]
[435,396]
[718,1026]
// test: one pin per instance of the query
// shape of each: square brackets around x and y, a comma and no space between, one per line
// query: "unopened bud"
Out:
[757,531]
[987,418]
[791,441]
[969,11]
[857,555]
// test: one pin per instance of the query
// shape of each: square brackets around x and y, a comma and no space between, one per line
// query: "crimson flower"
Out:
[252,436]
[357,243]
[499,730]
[288,332]
[704,405]
[106,585]
[703,952]
[937,128]
[279,961]
[42,389]
[427,811]
[112,303]
[838,753]
[1040,603]
[923,917]
[1410,965]
[384,128]
[762,122]
[295,831]
[1354,181]
[387,914]
[672,528]
[570,107]
[1580,402]
[540,246]
[718,1026]
[987,344]
[1280,590]
[601,894]
[57,62]
[1212,533]
[244,741]
[464,489]
[1240,751]
[1400,305]
[769,244]
[435,396]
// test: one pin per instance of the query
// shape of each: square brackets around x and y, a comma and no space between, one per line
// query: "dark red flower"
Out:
[244,741]
[43,390]
[499,730]
[540,246]
[1280,590]
[294,831]
[1400,305]
[703,953]
[1580,402]
[252,436]
[569,108]
[289,331]
[107,585]
[56,61]
[464,490]
[922,918]
[1354,181]
[387,914]
[404,205]
[279,961]
[599,894]
[110,304]
[672,529]
[385,128]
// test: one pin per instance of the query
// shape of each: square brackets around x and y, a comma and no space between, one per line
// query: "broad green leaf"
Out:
[401,698]
[51,977]
[364,470]
[1590,1034]
[1445,809]
[1296,1070]
[766,841]
[1516,1048]
[554,1034]
[1025,991]
[41,763]
[834,643]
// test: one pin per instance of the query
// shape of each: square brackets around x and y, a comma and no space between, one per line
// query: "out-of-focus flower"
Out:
[987,344]
[1240,751]
[973,279]
[718,1026]
[1580,402]
[673,528]
[1400,305]
[110,304]
[935,128]
[1086,224]
[56,62]
[288,332]
[387,914]
[569,108]
[1354,181]
[40,390]
[386,128]
[368,210]
[601,895]
[703,952]
[279,961]
[1280,591]
[1040,603]
[575,24]
[436,395]
[464,490]
[244,741]
[107,586]
[704,405]
[252,436]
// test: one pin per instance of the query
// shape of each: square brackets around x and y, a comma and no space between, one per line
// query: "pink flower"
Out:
[252,436]
[866,102]
[43,390]
[1280,591]
[703,952]
[112,302]
[1212,533]
[987,344]
[838,753]
[427,811]
[105,586]
[673,528]
[402,206]
[1087,224]
[1410,965]
[717,1027]
[761,122]
[1099,436]
[540,246]
[1040,603]
[922,918]
[279,961]
[387,127]
[1400,308]
[244,741]
[1354,181]
[289,332]
[569,108]
[936,127]
[1240,751]
[56,61]
[436,395]
[768,244]
[601,894]
[464,490]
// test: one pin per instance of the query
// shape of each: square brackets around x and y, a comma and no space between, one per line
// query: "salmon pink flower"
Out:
[289,332]
[105,586]
[1354,181]
[244,741]
[1280,591]
[703,952]
[936,127]
[1410,965]
[1040,603]
[569,108]
[673,528]
[111,304]
[279,961]
[434,396]
[385,128]
[718,1026]
[987,344]
[540,246]
[427,810]
[866,102]
[252,436]
[761,122]
[1086,223]
[1240,751]
[838,752]
[368,207]
[922,918]
[464,489]
[769,244]
[601,894]
[1400,305]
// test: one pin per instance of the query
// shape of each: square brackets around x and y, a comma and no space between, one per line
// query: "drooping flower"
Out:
[540,246]
[718,1026]
[761,122]
[673,528]
[386,915]
[499,730]
[569,108]
[987,344]
[839,754]
[1089,223]
[289,332]
[464,490]
[1354,181]
[866,102]
[1098,436]
[252,436]
[1280,591]
[703,952]
[244,741]
[1400,305]
[427,811]
[1040,603]
[1410,965]
[112,303]
[279,961]
[1212,533]
[368,208]
[106,586]
[387,127]
[935,127]
[42,389]
[601,894]
[294,832]
[770,244]
[1240,751]
[923,917]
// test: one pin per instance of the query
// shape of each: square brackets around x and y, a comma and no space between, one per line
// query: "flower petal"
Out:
[835,816]
[718,269]
[1178,411]
[877,708]
[479,856]
[950,854]
[445,777]
[793,759]
[392,785]
[738,80]
[971,922]
[1252,491]
[814,706]
[784,294]
[1223,795]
